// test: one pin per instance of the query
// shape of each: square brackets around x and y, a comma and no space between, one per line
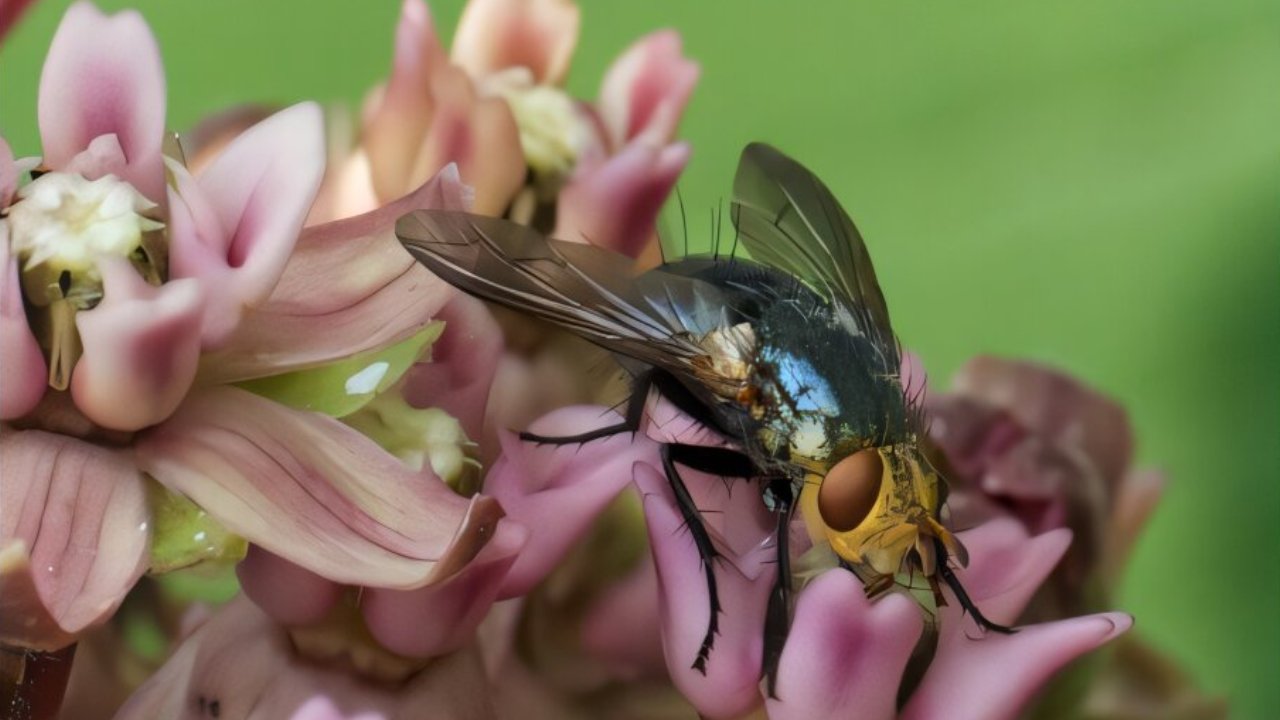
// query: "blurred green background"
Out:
[1091,183]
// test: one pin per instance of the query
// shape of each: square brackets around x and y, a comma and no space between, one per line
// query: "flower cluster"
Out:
[215,354]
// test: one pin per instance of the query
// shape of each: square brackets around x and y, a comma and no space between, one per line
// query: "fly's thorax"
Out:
[875,507]
[818,388]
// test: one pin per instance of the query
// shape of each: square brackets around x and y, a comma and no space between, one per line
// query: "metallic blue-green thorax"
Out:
[816,386]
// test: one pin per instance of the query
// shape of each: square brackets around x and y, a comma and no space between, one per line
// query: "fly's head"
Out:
[878,508]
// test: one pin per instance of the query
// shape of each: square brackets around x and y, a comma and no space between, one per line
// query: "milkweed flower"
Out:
[1026,443]
[150,289]
[322,647]
[494,104]
[596,172]
[846,655]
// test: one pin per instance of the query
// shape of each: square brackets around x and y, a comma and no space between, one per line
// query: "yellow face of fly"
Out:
[875,507]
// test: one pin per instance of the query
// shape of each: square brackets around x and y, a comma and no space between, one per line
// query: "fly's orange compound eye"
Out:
[850,490]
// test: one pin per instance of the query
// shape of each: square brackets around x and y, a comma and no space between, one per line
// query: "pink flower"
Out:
[600,173]
[845,655]
[240,664]
[145,348]
[302,652]
[1025,441]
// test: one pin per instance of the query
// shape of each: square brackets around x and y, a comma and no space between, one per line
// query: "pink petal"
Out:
[477,133]
[615,205]
[1006,569]
[25,375]
[315,492]
[244,662]
[460,371]
[557,492]
[8,174]
[323,708]
[212,133]
[290,594]
[401,117]
[260,189]
[77,514]
[914,379]
[730,686]
[103,76]
[994,677]
[1053,404]
[537,34]
[623,630]
[441,619]
[647,89]
[322,311]
[104,156]
[989,675]
[141,347]
[845,655]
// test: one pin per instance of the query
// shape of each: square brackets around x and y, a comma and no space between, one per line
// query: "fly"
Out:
[788,355]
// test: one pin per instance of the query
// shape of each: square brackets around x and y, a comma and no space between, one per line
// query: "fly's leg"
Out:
[967,604]
[630,422]
[720,461]
[777,619]
[872,586]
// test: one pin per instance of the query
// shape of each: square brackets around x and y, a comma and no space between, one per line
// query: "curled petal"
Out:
[246,664]
[477,133]
[73,536]
[463,361]
[315,492]
[614,205]
[24,379]
[557,491]
[647,88]
[441,619]
[401,116]
[845,655]
[141,348]
[1006,570]
[349,287]
[1053,404]
[537,34]
[995,676]
[729,688]
[290,594]
[260,190]
[103,76]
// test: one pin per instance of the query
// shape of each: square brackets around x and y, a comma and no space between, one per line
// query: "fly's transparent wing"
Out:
[788,219]
[590,292]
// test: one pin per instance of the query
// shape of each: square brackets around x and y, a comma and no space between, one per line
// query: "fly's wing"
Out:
[788,219]
[590,292]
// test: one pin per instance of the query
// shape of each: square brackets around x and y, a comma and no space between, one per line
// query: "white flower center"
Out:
[552,131]
[66,222]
